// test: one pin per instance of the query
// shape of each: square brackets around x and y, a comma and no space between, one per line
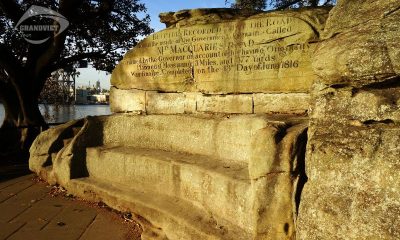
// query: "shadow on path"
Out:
[12,166]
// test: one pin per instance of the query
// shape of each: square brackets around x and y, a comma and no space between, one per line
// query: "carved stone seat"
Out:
[208,135]
[203,160]
[202,167]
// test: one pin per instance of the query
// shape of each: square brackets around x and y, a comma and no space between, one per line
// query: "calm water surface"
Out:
[66,113]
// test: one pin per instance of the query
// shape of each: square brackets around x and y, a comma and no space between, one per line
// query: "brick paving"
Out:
[30,209]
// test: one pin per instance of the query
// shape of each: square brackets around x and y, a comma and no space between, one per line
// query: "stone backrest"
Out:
[230,138]
[221,60]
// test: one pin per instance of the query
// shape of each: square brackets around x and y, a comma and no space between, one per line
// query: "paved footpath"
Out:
[30,209]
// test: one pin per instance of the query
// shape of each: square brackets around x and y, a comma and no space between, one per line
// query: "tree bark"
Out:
[11,105]
[23,120]
[9,134]
[33,122]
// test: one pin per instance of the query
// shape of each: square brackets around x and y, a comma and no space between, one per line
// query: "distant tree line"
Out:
[279,4]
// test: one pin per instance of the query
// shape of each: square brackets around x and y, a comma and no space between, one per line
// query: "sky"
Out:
[154,7]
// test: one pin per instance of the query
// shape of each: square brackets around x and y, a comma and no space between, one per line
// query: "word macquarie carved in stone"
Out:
[263,53]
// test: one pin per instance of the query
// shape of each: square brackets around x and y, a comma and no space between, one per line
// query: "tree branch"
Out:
[314,3]
[67,7]
[50,51]
[288,4]
[11,9]
[106,7]
[3,88]
[129,18]
[327,3]
[66,61]
[55,48]
[9,62]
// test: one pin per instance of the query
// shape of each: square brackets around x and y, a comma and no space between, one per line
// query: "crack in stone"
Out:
[391,82]
[280,38]
[391,11]
[372,122]
[268,175]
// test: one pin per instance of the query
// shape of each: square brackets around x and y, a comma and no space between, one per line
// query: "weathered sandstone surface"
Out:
[353,154]
[240,125]
[213,176]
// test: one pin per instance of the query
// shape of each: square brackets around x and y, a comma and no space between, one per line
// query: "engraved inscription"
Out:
[259,49]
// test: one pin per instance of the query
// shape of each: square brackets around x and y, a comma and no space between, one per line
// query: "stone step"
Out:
[221,186]
[180,218]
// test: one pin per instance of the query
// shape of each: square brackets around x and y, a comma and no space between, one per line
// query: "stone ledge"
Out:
[291,103]
[127,100]
[239,103]
[170,103]
[179,219]
[151,102]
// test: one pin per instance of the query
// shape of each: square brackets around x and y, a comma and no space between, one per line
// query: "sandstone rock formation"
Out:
[266,52]
[353,150]
[209,137]
[209,131]
[213,176]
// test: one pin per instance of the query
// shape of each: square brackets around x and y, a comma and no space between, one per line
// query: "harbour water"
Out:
[67,112]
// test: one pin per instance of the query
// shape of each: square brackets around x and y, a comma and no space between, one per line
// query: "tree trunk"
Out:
[9,133]
[33,122]
[23,120]
[11,106]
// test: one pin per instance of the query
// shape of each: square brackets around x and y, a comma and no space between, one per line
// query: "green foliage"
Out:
[279,4]
[104,28]
[249,4]
[99,31]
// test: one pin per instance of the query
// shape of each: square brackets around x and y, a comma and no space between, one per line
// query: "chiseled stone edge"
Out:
[152,102]
[289,103]
[238,103]
[127,100]
[170,103]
